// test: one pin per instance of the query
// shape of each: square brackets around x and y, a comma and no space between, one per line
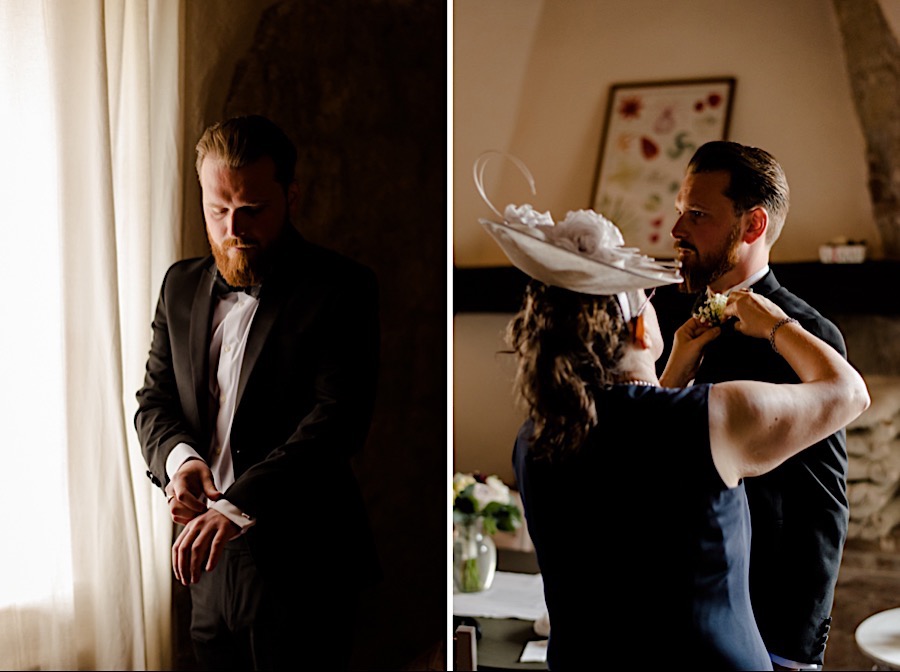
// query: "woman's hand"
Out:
[688,344]
[755,426]
[754,315]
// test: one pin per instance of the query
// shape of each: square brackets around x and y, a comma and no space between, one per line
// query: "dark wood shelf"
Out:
[833,289]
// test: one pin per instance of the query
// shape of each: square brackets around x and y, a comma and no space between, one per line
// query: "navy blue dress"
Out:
[643,549]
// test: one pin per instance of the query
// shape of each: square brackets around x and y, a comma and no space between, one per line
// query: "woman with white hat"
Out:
[632,485]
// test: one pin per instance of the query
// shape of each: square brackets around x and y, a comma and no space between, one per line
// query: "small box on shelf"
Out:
[843,251]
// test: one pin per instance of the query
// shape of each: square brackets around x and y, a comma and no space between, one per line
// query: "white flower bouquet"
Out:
[481,506]
[486,497]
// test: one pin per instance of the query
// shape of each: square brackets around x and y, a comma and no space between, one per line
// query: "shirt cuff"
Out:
[180,454]
[234,514]
[793,664]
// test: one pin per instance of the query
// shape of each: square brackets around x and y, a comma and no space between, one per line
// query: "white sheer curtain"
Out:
[90,201]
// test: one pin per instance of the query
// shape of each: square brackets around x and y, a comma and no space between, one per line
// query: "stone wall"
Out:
[873,448]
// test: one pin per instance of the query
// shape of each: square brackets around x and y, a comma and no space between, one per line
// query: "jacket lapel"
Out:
[270,301]
[201,318]
[767,284]
[275,292]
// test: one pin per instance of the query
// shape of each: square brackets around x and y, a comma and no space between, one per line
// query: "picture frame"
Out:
[650,132]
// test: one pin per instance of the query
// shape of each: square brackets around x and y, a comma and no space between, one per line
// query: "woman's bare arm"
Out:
[688,344]
[755,426]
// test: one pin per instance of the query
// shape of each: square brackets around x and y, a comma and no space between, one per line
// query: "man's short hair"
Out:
[757,179]
[242,140]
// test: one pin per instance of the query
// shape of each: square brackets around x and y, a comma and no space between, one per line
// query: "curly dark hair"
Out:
[566,345]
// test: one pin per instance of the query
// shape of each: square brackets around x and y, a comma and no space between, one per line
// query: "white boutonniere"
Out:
[712,309]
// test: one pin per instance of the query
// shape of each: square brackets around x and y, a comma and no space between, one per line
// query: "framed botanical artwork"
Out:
[650,133]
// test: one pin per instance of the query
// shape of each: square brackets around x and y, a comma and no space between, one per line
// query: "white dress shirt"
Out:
[749,281]
[231,322]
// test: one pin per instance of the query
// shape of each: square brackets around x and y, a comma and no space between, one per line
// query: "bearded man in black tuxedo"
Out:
[731,208]
[259,388]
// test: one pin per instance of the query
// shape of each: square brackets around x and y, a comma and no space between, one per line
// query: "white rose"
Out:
[586,232]
[485,494]
[499,487]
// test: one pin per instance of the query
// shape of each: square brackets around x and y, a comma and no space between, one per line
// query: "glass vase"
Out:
[474,557]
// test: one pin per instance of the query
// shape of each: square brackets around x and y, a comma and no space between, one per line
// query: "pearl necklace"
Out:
[635,381]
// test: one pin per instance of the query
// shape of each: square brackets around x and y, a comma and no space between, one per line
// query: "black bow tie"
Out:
[221,287]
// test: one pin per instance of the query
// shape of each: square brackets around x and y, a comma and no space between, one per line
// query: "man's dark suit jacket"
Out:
[305,397]
[799,511]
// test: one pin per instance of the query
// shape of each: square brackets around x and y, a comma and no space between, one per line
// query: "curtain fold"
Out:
[110,74]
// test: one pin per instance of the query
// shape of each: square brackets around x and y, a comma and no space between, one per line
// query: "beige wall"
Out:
[531,78]
[485,419]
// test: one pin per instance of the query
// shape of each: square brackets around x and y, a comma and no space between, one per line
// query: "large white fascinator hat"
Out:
[584,253]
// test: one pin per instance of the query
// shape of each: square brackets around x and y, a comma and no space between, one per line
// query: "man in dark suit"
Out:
[259,387]
[731,208]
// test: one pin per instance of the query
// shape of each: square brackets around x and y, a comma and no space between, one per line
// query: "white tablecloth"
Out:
[512,595]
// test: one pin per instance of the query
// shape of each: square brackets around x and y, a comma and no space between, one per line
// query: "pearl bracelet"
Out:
[775,327]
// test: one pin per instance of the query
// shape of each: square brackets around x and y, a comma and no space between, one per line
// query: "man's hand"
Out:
[200,545]
[185,492]
[687,352]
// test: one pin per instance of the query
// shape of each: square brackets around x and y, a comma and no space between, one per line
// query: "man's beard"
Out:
[699,272]
[242,269]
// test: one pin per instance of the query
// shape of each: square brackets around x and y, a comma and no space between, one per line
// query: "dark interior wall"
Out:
[360,85]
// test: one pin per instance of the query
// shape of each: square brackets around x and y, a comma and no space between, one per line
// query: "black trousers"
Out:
[241,622]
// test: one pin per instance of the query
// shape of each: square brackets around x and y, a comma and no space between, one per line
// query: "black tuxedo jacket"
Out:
[305,397]
[799,511]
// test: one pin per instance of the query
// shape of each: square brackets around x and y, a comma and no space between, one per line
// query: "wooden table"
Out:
[501,644]
[503,639]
